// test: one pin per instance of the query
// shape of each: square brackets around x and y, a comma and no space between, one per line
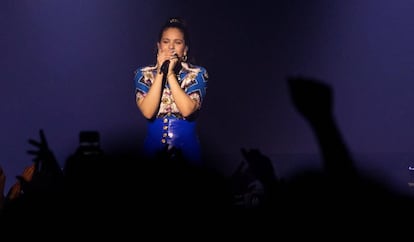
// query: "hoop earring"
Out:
[184,58]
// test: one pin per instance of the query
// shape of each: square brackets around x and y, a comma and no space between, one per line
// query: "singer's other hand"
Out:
[173,62]
[167,55]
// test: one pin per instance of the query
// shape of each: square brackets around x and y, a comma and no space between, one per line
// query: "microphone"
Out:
[164,67]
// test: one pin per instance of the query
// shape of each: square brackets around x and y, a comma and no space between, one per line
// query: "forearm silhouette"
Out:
[314,101]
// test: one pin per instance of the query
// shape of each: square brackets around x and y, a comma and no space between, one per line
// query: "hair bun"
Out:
[174,20]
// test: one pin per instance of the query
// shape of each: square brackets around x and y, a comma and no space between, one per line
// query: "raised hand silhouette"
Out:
[48,174]
[22,184]
[44,158]
[341,182]
[37,191]
[313,99]
[260,165]
[254,182]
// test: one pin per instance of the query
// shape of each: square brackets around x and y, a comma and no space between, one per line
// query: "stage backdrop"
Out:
[67,66]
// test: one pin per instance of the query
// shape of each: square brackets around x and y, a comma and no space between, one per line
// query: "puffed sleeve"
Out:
[142,82]
[198,87]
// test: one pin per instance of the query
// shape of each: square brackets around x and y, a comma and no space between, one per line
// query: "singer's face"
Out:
[172,41]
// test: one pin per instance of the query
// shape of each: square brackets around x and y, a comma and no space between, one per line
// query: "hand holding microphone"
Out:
[166,64]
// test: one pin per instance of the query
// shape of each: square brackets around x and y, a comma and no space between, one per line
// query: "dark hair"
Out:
[179,23]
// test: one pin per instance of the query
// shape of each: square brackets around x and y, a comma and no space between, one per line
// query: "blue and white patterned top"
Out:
[192,79]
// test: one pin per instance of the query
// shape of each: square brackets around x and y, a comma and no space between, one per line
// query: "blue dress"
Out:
[169,130]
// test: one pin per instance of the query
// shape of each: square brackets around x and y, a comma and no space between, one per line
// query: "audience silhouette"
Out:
[96,187]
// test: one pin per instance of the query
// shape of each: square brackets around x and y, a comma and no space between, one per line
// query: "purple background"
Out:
[67,66]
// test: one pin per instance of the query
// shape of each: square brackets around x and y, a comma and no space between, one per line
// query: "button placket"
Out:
[165,131]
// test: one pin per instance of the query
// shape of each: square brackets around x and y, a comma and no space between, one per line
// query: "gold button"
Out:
[165,120]
[163,141]
[164,135]
[165,127]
